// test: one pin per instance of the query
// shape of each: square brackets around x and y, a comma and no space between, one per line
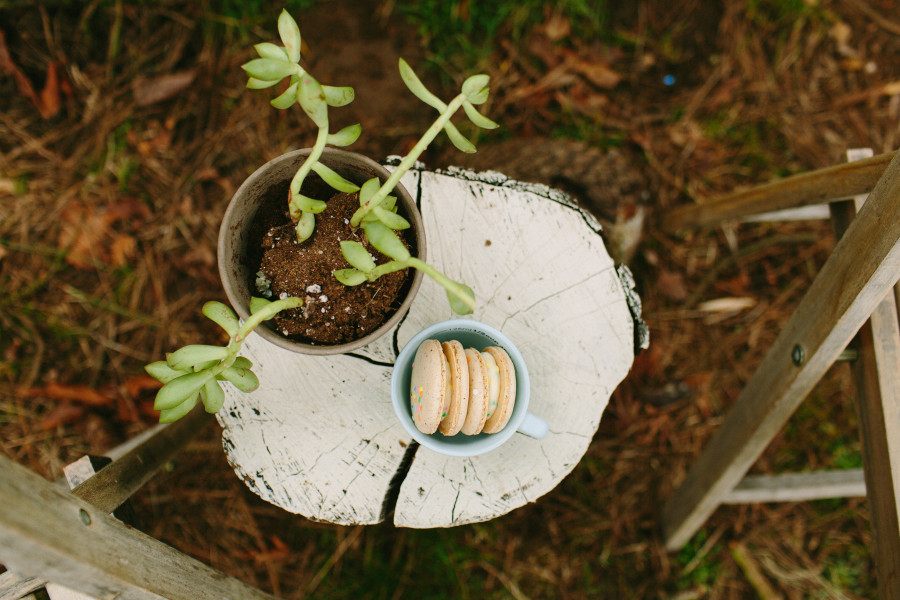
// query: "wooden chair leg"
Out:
[851,284]
[877,375]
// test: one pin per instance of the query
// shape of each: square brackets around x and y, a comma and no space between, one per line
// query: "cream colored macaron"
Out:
[454,415]
[428,386]
[502,386]
[476,414]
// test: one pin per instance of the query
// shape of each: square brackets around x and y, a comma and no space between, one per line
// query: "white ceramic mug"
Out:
[471,334]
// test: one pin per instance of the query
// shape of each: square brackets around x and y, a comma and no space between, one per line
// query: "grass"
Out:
[461,35]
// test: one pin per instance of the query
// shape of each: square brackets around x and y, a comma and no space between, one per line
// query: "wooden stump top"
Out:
[319,437]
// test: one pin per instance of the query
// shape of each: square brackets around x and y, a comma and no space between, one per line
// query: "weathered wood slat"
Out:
[815,187]
[877,375]
[47,531]
[115,483]
[864,266]
[798,487]
[13,587]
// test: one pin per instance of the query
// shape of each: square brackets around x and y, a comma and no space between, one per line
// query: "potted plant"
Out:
[321,249]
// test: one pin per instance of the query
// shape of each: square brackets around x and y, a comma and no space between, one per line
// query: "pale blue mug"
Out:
[471,334]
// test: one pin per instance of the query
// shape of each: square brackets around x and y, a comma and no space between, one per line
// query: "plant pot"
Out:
[234,245]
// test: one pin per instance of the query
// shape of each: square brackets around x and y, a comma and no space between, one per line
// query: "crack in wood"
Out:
[393,491]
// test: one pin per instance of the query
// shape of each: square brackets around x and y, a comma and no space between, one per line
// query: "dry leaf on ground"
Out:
[48,100]
[149,91]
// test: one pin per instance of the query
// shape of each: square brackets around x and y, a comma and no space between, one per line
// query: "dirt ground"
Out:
[125,128]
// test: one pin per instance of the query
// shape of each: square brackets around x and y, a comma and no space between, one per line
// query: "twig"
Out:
[336,556]
[733,259]
[752,572]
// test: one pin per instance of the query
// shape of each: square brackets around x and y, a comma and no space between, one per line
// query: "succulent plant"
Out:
[194,373]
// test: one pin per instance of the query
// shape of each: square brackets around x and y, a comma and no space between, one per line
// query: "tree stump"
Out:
[319,437]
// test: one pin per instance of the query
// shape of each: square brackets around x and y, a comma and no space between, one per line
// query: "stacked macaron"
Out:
[461,390]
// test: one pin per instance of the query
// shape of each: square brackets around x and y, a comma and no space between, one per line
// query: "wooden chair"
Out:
[852,302]
[66,540]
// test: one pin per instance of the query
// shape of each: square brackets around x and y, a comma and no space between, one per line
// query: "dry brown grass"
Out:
[108,219]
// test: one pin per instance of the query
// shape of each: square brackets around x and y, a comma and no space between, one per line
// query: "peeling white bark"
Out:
[319,437]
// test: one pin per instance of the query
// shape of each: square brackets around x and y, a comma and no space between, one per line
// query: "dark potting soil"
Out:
[332,313]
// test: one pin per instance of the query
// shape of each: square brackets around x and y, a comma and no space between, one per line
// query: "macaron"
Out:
[501,388]
[428,386]
[476,413]
[455,414]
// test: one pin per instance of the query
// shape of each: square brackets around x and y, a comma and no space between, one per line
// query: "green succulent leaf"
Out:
[170,415]
[286,99]
[345,136]
[222,315]
[350,277]
[390,219]
[257,304]
[205,365]
[338,96]
[195,355]
[305,226]
[474,84]
[458,139]
[461,298]
[161,371]
[312,99]
[270,50]
[269,69]
[243,379]
[212,396]
[389,203]
[180,389]
[242,362]
[357,256]
[386,241]
[477,118]
[299,202]
[368,190]
[289,32]
[480,97]
[334,180]
[418,88]
[259,84]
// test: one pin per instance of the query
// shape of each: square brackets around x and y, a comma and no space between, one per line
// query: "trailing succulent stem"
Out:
[474,91]
[274,64]
[193,373]
[460,296]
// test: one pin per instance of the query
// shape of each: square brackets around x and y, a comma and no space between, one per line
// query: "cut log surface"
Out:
[319,437]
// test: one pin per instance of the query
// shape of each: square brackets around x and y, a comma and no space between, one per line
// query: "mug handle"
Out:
[534,427]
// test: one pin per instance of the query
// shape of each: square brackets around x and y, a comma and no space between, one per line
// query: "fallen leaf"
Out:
[87,233]
[597,73]
[557,27]
[75,393]
[139,383]
[726,305]
[121,249]
[149,91]
[671,285]
[64,413]
[47,102]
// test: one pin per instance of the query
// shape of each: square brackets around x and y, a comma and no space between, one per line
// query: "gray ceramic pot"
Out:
[234,234]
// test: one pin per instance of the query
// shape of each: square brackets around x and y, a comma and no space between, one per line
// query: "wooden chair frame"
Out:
[855,295]
[48,533]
